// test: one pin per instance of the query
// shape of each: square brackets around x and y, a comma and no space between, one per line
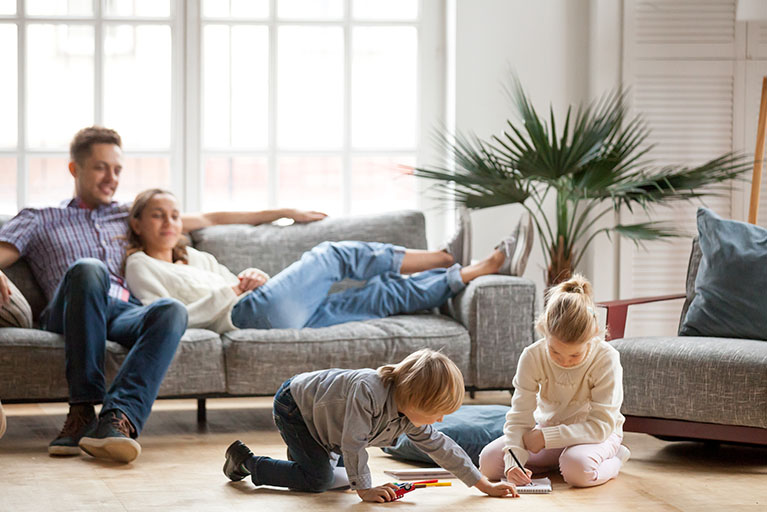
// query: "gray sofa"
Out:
[484,329]
[691,387]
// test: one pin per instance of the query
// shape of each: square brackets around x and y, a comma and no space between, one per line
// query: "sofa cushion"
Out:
[197,366]
[16,313]
[712,380]
[730,299]
[258,361]
[31,365]
[272,248]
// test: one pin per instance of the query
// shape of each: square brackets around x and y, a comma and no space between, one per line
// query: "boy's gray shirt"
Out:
[348,410]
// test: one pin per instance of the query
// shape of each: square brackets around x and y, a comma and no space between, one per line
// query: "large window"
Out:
[233,104]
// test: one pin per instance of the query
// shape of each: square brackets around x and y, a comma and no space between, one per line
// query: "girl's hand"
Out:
[497,489]
[534,440]
[252,278]
[380,494]
[517,477]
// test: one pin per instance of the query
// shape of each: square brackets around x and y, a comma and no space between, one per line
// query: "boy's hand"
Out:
[517,477]
[380,494]
[498,489]
[534,440]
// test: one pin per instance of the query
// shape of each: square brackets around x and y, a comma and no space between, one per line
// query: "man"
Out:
[76,253]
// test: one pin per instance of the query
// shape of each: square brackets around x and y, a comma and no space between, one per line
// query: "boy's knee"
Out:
[577,471]
[319,482]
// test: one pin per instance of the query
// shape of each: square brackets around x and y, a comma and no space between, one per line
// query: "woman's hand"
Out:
[517,477]
[250,279]
[380,494]
[534,440]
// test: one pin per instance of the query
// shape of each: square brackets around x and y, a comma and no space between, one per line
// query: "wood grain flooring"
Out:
[180,469]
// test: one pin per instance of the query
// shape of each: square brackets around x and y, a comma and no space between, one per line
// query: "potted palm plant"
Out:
[595,166]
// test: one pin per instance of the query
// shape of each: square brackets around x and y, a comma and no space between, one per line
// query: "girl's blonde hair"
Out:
[569,315]
[427,381]
[134,243]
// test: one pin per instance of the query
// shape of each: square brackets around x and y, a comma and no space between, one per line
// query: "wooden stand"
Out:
[756,178]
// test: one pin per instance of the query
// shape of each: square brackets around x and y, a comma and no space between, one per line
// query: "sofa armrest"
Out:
[499,313]
[617,312]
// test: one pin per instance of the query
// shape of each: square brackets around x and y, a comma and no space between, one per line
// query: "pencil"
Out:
[518,463]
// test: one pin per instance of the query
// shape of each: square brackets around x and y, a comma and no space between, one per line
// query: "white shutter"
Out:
[685,80]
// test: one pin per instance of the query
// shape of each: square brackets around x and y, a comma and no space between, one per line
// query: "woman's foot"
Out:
[459,246]
[516,247]
[487,266]
[623,454]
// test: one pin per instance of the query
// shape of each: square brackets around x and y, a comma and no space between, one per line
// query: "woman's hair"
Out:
[427,381]
[134,243]
[569,315]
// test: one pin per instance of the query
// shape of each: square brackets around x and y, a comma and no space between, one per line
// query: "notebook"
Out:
[419,473]
[538,486]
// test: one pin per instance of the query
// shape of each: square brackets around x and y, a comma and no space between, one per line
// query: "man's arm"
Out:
[193,221]
[8,256]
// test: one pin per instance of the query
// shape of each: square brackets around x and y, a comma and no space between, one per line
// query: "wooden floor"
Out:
[180,469]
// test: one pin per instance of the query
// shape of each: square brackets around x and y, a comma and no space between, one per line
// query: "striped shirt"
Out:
[53,238]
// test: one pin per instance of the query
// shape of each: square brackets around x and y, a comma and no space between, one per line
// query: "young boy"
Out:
[325,414]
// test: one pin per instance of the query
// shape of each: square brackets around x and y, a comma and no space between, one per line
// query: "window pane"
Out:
[8,190]
[384,79]
[8,86]
[382,184]
[137,84]
[149,8]
[310,183]
[238,183]
[310,88]
[141,173]
[388,10]
[7,6]
[235,86]
[60,7]
[310,9]
[60,59]
[49,181]
[235,8]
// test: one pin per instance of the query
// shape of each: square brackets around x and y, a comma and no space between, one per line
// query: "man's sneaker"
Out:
[111,439]
[459,246]
[80,420]
[623,454]
[524,235]
[2,420]
[234,465]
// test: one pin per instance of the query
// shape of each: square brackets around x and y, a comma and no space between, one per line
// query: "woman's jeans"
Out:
[298,296]
[310,468]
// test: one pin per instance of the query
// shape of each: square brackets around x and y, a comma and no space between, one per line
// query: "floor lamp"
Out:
[756,10]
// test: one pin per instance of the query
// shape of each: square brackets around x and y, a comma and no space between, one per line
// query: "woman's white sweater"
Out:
[576,405]
[204,286]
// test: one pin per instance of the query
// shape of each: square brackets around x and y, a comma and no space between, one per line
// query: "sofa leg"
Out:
[202,412]
[472,394]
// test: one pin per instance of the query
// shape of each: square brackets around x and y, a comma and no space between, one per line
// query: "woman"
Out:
[159,265]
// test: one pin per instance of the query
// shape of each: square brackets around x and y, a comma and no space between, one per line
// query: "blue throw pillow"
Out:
[731,286]
[471,426]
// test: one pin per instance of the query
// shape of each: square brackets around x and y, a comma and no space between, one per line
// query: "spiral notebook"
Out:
[538,486]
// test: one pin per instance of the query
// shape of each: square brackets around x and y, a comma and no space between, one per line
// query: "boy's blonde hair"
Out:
[569,315]
[427,381]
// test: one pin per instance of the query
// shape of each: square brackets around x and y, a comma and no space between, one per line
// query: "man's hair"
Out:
[80,147]
[427,381]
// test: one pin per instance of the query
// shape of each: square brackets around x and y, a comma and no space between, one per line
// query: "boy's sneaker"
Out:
[234,465]
[112,438]
[524,235]
[459,246]
[2,420]
[81,419]
[623,454]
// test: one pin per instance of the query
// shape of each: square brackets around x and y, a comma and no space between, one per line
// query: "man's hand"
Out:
[380,494]
[517,477]
[252,278]
[5,290]
[304,216]
[498,489]
[534,440]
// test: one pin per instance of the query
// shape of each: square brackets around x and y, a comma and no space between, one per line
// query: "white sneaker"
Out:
[2,420]
[508,247]
[524,237]
[624,454]
[459,246]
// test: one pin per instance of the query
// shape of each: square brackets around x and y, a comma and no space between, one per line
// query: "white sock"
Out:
[340,479]
[623,454]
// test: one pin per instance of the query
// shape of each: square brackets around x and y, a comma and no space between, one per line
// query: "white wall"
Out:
[550,45]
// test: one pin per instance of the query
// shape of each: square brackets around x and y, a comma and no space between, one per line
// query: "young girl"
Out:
[567,398]
[159,265]
[325,414]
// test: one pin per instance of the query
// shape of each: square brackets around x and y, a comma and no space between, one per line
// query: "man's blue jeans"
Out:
[311,466]
[298,296]
[83,312]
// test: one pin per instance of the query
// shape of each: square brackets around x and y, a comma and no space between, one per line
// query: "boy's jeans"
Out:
[311,466]
[298,296]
